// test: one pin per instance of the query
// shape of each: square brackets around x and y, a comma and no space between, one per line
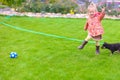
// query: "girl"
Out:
[93,26]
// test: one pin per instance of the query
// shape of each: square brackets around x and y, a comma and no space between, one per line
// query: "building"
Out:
[113,3]
[109,3]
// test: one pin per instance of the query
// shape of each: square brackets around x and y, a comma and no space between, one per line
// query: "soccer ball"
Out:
[13,55]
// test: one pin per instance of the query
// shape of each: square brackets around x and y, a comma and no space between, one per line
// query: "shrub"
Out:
[57,7]
[113,12]
[3,6]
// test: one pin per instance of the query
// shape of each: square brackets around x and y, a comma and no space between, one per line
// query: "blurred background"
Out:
[61,6]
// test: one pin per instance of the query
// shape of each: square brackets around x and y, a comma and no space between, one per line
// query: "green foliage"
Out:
[53,6]
[3,6]
[12,3]
[52,1]
[113,12]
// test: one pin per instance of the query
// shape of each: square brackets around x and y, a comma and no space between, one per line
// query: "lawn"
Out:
[47,50]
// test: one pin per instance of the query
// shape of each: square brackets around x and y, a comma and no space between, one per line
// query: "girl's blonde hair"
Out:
[92,7]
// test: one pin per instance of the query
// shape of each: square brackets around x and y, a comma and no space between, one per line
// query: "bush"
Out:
[3,6]
[57,7]
[112,12]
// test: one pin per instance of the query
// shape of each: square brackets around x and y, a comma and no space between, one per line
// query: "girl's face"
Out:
[91,13]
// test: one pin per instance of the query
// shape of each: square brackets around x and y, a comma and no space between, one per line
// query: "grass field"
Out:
[43,57]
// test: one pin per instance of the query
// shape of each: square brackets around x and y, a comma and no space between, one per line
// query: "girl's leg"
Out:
[97,47]
[88,38]
[84,42]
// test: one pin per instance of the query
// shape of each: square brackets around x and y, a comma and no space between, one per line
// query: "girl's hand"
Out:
[85,29]
[103,9]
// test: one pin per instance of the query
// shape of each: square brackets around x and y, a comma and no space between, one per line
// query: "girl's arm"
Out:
[86,26]
[102,14]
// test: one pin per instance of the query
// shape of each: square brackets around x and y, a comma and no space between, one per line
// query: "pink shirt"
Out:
[93,25]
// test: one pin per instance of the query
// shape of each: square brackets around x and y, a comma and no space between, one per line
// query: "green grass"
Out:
[43,57]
